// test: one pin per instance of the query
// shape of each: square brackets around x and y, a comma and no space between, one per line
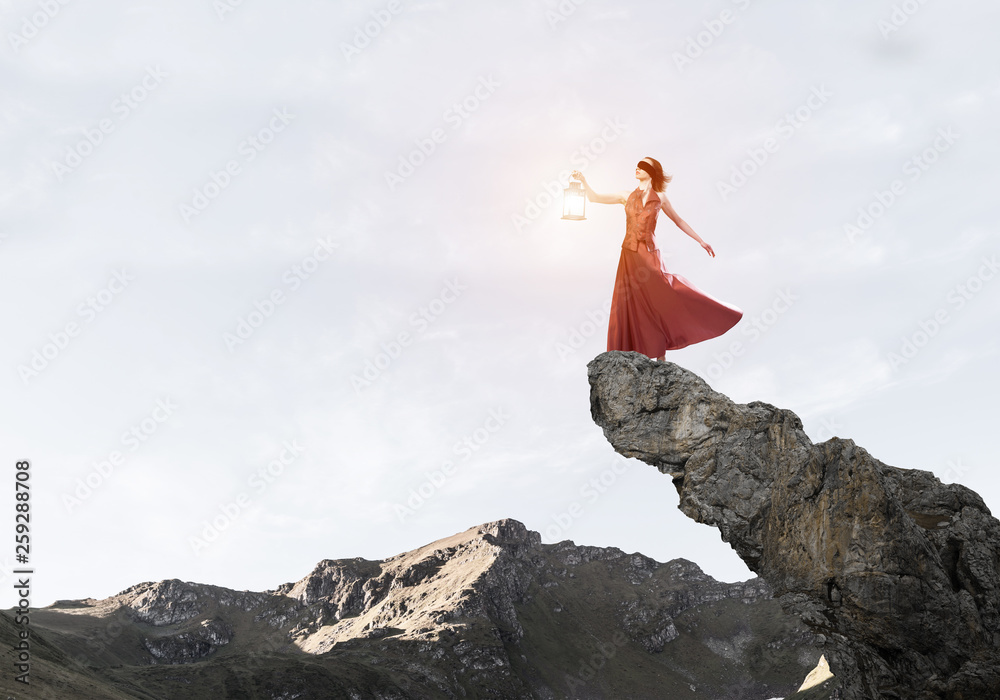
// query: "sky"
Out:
[285,282]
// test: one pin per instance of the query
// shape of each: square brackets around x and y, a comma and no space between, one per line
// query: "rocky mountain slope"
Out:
[487,613]
[899,573]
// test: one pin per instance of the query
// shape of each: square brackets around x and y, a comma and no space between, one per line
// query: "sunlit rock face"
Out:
[896,570]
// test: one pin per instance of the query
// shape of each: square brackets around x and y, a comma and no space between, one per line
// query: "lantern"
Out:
[574,202]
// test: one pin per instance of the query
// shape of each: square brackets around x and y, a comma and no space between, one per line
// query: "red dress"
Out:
[653,310]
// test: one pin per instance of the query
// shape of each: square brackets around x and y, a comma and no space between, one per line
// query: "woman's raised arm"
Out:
[618,198]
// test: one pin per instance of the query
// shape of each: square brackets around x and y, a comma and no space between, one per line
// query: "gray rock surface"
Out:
[897,571]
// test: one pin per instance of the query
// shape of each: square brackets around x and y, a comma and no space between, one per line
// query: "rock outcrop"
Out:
[489,612]
[898,572]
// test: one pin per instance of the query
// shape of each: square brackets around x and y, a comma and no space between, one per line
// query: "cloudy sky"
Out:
[287,281]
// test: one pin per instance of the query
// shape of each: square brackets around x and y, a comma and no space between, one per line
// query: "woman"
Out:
[652,310]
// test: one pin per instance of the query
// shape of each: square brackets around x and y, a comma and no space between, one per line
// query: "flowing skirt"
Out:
[653,310]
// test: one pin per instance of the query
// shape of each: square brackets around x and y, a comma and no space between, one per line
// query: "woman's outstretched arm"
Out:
[618,198]
[668,209]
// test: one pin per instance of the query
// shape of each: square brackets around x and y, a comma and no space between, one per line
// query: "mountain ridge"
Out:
[487,612]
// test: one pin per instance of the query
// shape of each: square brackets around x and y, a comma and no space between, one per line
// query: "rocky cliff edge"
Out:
[897,571]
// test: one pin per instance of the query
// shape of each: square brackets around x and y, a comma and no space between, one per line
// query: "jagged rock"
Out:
[190,646]
[899,572]
[163,603]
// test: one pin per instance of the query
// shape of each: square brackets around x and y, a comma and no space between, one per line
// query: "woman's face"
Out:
[640,174]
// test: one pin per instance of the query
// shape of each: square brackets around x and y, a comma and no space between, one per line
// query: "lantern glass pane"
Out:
[574,202]
[575,205]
